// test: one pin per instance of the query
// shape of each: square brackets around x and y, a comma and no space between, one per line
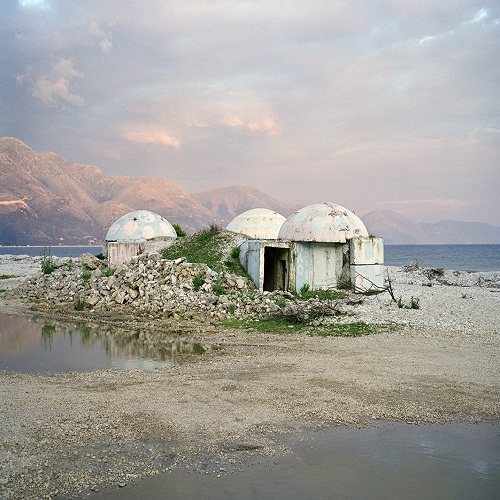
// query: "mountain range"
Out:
[48,200]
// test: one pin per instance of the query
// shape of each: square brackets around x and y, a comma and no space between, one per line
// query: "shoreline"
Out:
[66,434]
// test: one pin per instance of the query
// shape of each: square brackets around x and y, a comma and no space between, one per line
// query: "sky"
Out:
[370,104]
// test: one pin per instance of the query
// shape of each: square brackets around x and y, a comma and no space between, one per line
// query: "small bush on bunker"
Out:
[232,309]
[179,231]
[69,264]
[6,276]
[235,252]
[47,263]
[209,246]
[198,281]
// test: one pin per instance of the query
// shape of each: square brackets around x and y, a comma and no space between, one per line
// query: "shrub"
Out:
[80,303]
[198,281]
[85,276]
[179,231]
[47,263]
[108,272]
[218,289]
[281,302]
[235,252]
[414,302]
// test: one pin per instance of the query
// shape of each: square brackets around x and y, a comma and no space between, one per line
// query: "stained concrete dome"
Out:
[322,222]
[139,226]
[257,223]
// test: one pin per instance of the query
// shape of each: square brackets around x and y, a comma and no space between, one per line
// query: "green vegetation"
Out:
[6,276]
[307,293]
[101,256]
[179,231]
[198,281]
[287,326]
[355,329]
[47,263]
[235,252]
[209,247]
[80,303]
[108,272]
[85,276]
[413,304]
[70,264]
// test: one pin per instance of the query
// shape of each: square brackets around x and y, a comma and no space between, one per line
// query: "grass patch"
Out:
[6,276]
[287,326]
[279,326]
[356,329]
[209,246]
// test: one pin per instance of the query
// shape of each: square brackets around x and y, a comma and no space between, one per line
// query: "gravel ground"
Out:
[71,434]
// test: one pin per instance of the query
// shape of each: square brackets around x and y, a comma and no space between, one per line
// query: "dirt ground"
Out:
[70,434]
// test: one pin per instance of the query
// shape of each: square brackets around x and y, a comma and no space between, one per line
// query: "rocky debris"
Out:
[89,261]
[150,286]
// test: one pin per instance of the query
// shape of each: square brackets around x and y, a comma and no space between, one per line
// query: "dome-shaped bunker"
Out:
[140,225]
[257,223]
[322,222]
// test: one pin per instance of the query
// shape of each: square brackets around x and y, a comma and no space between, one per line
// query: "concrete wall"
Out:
[367,264]
[121,252]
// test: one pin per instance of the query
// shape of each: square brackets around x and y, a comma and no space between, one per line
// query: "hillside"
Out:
[397,229]
[228,202]
[46,199]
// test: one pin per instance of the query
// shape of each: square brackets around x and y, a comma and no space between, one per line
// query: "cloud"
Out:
[105,40]
[265,126]
[151,136]
[52,88]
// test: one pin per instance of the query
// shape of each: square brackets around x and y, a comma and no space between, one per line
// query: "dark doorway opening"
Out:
[276,268]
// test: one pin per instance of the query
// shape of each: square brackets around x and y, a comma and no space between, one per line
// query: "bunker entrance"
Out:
[276,265]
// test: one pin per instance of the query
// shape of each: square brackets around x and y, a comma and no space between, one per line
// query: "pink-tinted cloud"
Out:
[151,136]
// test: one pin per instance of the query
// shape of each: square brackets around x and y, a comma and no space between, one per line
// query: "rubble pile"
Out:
[154,287]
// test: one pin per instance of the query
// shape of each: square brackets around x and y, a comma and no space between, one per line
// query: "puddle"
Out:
[43,346]
[394,460]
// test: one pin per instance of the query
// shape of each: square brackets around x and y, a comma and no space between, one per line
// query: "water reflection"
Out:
[41,345]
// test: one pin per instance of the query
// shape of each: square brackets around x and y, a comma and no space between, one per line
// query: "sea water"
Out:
[456,257]
[459,257]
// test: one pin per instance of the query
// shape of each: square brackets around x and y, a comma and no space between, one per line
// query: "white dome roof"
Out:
[258,223]
[140,225]
[322,222]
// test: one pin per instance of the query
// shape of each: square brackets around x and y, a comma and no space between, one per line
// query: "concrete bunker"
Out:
[135,233]
[323,246]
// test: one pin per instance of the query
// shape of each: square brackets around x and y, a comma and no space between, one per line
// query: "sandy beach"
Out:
[69,434]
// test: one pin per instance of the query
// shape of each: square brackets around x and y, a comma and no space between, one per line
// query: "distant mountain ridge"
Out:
[397,229]
[228,202]
[46,199]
